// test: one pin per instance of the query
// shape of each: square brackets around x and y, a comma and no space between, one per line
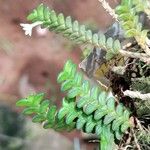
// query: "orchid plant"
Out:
[117,111]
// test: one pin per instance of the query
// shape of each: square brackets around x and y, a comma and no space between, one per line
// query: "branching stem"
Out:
[142,56]
[107,7]
[136,94]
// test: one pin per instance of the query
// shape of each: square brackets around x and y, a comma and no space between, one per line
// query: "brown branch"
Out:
[136,94]
[142,56]
[136,140]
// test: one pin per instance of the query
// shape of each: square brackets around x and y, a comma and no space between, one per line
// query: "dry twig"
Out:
[107,7]
[136,94]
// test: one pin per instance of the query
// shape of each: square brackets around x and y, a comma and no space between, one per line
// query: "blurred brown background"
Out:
[31,64]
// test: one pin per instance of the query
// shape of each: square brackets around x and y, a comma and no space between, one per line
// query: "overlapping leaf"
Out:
[94,102]
[88,109]
[73,30]
[129,19]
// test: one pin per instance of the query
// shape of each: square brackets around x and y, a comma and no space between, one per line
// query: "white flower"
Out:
[28,27]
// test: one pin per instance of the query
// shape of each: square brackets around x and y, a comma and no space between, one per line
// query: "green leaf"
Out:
[121,9]
[89,35]
[126,115]
[68,22]
[75,91]
[53,17]
[102,39]
[82,101]
[118,135]
[73,71]
[80,122]
[128,25]
[107,139]
[99,128]
[32,16]
[61,126]
[82,30]
[129,2]
[117,123]
[64,110]
[68,65]
[81,38]
[90,107]
[37,98]
[89,127]
[67,32]
[52,114]
[102,98]
[85,86]
[126,16]
[44,106]
[119,109]
[95,39]
[66,85]
[130,33]
[139,27]
[48,125]
[69,70]
[111,103]
[125,126]
[109,118]
[24,102]
[117,46]
[136,21]
[109,55]
[75,26]
[30,110]
[32,100]
[38,118]
[71,116]
[70,127]
[109,43]
[99,113]
[78,79]
[46,14]
[94,92]
[61,19]
[62,77]
[40,10]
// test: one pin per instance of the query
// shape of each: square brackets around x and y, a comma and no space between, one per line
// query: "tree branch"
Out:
[136,94]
